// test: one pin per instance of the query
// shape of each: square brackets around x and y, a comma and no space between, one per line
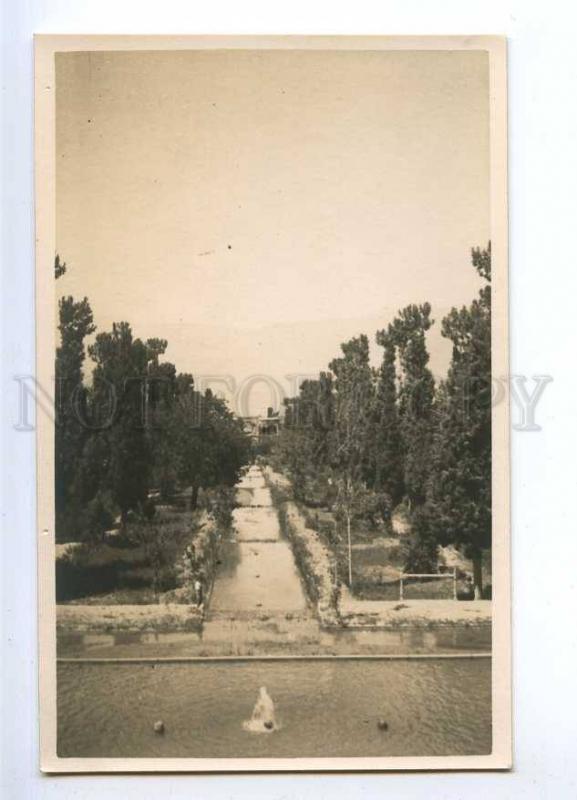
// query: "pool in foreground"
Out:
[324,708]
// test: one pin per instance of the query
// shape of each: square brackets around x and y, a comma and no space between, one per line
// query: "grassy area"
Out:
[123,569]
[379,555]
[119,597]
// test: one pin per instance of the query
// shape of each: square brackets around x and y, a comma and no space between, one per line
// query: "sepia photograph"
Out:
[273,453]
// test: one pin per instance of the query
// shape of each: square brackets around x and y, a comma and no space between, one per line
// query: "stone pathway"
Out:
[257,595]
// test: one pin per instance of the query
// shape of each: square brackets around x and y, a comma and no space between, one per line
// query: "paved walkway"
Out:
[387,612]
[257,571]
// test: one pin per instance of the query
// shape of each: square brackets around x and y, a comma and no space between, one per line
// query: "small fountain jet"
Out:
[263,716]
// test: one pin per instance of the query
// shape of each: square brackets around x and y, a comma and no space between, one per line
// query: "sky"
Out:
[257,208]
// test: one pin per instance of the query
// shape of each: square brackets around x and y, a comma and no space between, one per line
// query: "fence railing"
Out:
[438,575]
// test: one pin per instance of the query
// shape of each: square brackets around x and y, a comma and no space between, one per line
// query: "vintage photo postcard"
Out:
[273,502]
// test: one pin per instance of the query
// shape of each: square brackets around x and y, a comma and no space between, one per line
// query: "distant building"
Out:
[261,425]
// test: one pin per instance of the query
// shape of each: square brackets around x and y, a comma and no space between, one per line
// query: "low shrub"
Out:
[142,558]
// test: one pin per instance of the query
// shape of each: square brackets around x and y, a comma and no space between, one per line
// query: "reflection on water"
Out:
[328,708]
[276,631]
[275,635]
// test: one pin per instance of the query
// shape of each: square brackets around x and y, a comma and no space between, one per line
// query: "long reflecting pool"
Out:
[324,708]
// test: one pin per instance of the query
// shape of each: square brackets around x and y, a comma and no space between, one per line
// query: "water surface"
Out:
[324,708]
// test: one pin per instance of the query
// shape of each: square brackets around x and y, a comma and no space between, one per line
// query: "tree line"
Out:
[376,438]
[136,425]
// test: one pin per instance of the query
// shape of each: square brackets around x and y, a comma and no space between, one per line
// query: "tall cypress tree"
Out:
[351,440]
[120,373]
[416,396]
[75,323]
[460,485]
[387,442]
